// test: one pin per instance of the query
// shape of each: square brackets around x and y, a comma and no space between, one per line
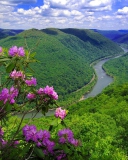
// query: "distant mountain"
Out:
[64,55]
[121,39]
[111,34]
[9,32]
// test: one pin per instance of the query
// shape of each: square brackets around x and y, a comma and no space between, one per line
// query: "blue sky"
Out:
[87,14]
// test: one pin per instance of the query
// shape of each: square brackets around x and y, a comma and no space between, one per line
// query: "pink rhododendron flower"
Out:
[60,113]
[9,95]
[50,91]
[31,96]
[21,52]
[13,51]
[1,50]
[40,91]
[17,75]
[31,82]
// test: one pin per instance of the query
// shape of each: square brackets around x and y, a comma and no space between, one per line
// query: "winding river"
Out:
[103,81]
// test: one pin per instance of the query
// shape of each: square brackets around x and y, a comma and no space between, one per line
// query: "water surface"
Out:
[103,80]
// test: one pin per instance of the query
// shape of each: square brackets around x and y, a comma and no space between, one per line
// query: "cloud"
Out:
[75,4]
[6,9]
[123,11]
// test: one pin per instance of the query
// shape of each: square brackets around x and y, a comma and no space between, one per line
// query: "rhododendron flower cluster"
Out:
[66,136]
[41,138]
[40,141]
[60,113]
[17,75]
[31,82]
[8,95]
[31,96]
[15,51]
[48,91]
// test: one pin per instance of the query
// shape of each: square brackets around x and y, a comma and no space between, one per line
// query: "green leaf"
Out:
[32,54]
[10,67]
[25,149]
[39,152]
[8,107]
[62,122]
[4,59]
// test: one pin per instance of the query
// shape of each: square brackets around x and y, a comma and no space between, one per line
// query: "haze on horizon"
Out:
[88,14]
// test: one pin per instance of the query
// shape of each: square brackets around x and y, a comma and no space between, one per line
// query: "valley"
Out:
[99,122]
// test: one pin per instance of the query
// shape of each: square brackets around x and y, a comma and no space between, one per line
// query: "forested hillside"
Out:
[101,123]
[95,42]
[111,34]
[118,68]
[122,40]
[64,58]
[9,32]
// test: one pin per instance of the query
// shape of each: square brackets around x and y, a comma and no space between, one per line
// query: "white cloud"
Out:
[123,11]
[6,9]
[61,13]
[75,4]
[99,3]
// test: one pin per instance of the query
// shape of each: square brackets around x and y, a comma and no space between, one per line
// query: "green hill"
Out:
[64,58]
[99,45]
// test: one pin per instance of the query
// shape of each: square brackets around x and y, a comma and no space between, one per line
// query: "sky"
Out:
[85,14]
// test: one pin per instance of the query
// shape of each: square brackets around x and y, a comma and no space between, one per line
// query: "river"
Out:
[103,80]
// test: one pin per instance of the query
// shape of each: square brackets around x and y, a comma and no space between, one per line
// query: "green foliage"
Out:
[117,68]
[64,59]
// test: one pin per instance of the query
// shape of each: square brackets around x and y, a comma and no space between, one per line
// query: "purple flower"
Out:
[30,133]
[4,95]
[40,91]
[31,96]
[8,95]
[60,113]
[1,50]
[74,142]
[43,134]
[13,94]
[21,52]
[41,138]
[49,145]
[2,142]
[15,51]
[60,155]
[17,74]
[31,82]
[50,91]
[65,135]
